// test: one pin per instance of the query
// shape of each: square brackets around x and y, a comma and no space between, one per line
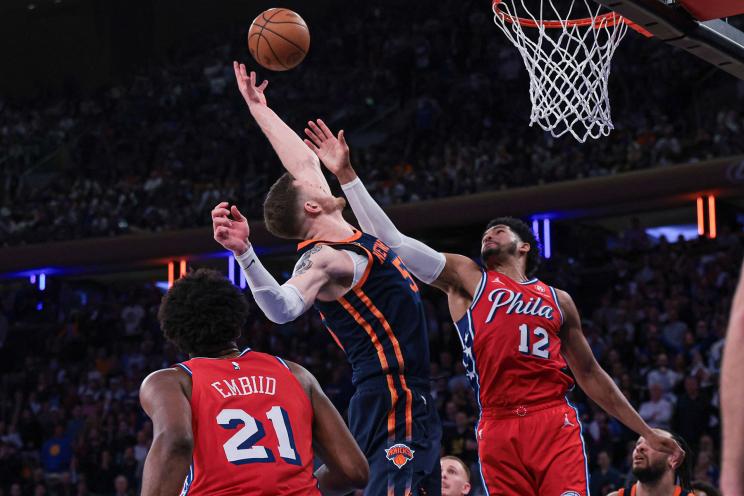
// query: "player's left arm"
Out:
[597,384]
[164,398]
[280,303]
[296,158]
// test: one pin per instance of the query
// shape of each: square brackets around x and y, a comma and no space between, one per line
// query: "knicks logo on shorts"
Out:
[399,454]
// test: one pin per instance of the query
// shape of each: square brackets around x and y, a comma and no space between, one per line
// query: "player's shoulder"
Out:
[165,379]
[306,379]
[461,274]
[564,297]
[164,376]
[614,493]
[317,253]
[324,257]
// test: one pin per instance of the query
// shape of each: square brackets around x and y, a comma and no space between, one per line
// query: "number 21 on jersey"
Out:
[242,448]
[540,348]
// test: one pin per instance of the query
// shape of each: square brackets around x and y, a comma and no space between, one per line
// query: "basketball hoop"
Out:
[569,71]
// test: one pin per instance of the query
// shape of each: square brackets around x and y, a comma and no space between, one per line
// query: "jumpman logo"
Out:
[497,280]
[567,422]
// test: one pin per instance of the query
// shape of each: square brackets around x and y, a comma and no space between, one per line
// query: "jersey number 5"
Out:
[242,447]
[541,347]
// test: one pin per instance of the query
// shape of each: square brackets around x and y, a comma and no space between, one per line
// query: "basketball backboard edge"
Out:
[681,23]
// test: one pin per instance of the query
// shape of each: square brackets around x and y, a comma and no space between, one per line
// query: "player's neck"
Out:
[329,228]
[229,350]
[512,269]
[662,487]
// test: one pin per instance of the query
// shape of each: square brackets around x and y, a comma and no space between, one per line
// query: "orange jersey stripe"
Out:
[353,237]
[398,355]
[333,334]
[383,362]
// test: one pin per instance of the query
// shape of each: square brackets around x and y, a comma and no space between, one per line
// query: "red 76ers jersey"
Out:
[511,345]
[252,424]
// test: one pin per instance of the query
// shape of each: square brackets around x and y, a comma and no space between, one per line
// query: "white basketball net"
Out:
[569,67]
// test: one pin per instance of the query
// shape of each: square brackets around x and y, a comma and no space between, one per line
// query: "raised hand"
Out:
[253,95]
[331,150]
[230,233]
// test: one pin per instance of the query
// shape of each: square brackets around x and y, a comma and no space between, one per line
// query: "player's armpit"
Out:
[574,346]
[460,279]
[345,467]
[164,397]
[460,274]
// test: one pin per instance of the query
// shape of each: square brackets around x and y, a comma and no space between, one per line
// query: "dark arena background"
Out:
[121,127]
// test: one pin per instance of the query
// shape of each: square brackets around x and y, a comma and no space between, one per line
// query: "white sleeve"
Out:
[280,304]
[424,262]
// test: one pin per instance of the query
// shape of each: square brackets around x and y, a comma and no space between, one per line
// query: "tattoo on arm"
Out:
[305,262]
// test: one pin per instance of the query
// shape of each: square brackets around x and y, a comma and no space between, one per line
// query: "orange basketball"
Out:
[278,39]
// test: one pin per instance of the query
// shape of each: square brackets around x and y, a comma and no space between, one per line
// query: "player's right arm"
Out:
[732,398]
[456,275]
[164,398]
[300,162]
[345,468]
[320,270]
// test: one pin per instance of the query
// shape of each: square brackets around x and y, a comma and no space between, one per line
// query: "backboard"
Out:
[705,28]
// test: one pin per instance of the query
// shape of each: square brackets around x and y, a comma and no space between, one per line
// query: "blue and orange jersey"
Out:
[252,424]
[678,491]
[380,323]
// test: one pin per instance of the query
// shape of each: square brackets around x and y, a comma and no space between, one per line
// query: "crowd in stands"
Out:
[434,99]
[72,358]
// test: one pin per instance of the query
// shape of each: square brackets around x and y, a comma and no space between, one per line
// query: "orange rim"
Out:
[601,21]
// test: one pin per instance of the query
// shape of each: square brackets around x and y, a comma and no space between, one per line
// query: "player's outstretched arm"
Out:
[164,398]
[295,157]
[598,385]
[732,398]
[280,303]
[345,467]
[449,272]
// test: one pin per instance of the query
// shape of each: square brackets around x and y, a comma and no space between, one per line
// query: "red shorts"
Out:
[533,451]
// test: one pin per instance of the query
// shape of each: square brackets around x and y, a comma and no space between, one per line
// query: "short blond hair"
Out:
[462,464]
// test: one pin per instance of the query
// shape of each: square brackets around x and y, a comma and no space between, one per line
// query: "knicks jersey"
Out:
[511,345]
[252,425]
[678,491]
[380,322]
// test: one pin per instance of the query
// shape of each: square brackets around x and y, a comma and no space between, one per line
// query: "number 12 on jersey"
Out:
[540,348]
[242,448]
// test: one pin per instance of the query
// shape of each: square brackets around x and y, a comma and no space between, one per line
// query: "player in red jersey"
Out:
[233,423]
[518,334]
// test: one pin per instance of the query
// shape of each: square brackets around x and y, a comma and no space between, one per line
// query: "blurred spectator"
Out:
[459,440]
[121,486]
[605,478]
[692,415]
[56,452]
[704,489]
[657,412]
[662,375]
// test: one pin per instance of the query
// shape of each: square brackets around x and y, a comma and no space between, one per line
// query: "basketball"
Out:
[278,39]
